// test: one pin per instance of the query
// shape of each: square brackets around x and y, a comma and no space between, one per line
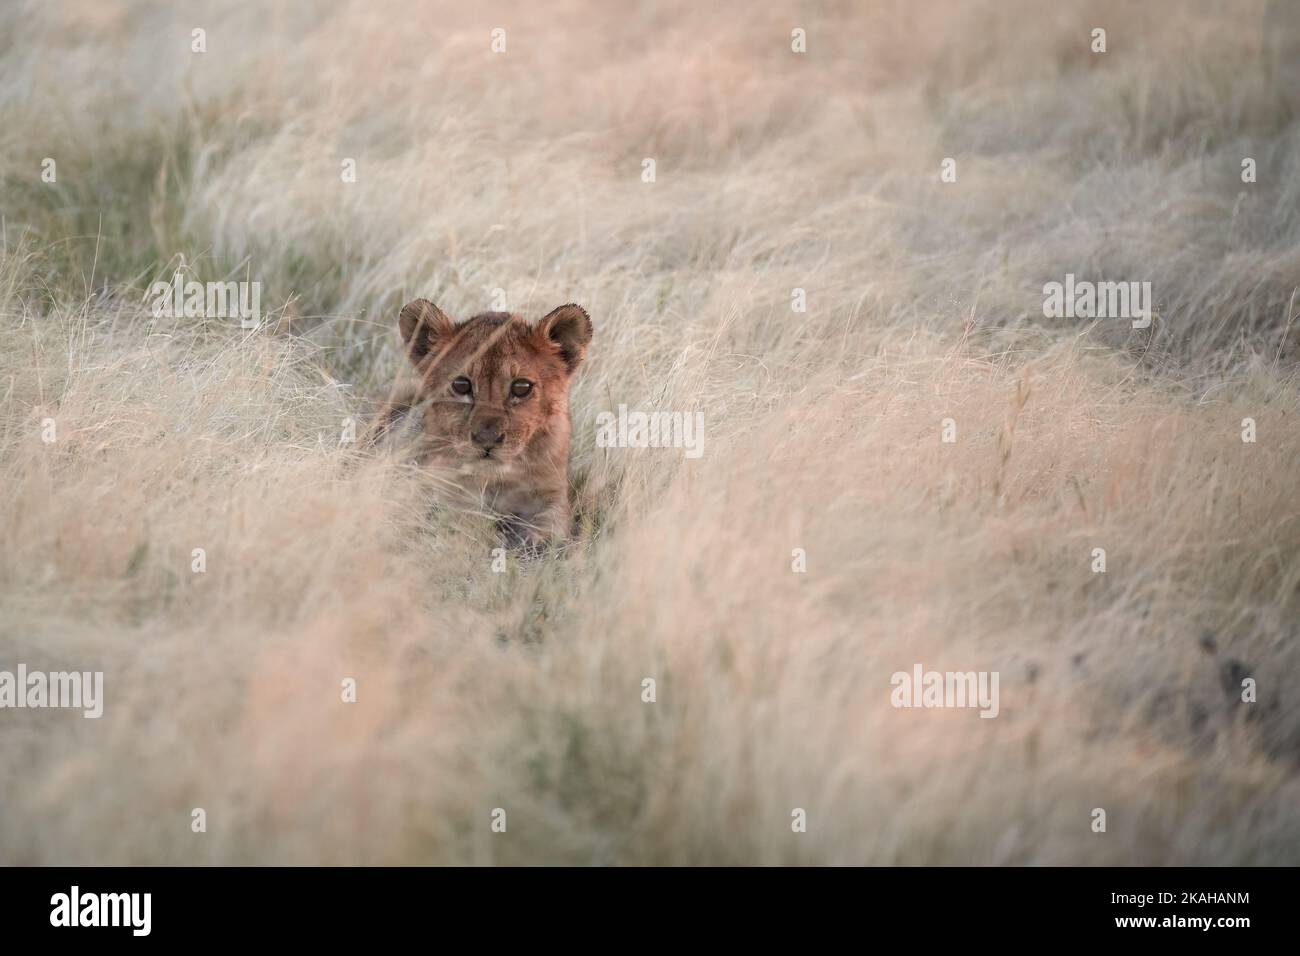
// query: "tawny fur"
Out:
[495,448]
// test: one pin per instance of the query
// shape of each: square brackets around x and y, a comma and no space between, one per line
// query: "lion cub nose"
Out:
[488,435]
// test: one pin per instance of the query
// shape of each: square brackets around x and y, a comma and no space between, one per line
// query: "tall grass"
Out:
[523,690]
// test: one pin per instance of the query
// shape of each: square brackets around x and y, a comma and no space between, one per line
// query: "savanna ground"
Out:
[522,690]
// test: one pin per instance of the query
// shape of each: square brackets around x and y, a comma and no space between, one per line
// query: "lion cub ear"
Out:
[568,328]
[423,326]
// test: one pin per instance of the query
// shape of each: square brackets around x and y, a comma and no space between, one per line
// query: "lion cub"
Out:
[490,409]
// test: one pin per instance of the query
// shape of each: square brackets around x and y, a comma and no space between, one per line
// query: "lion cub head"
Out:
[495,393]
[494,384]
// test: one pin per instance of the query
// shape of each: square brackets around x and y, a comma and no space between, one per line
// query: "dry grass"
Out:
[522,690]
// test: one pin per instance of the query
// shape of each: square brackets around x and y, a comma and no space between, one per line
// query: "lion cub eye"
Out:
[461,386]
[521,387]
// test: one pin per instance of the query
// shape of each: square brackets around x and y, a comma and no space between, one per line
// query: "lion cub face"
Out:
[496,392]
